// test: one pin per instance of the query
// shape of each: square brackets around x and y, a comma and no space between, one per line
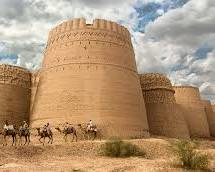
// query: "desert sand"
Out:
[83,156]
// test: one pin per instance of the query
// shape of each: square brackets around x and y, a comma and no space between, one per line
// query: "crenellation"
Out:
[15,76]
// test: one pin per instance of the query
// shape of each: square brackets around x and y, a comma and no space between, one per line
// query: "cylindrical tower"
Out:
[89,72]
[163,115]
[210,116]
[15,83]
[188,98]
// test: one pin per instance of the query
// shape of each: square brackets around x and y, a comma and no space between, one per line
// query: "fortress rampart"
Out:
[15,84]
[210,116]
[188,99]
[89,72]
[213,107]
[164,118]
[34,85]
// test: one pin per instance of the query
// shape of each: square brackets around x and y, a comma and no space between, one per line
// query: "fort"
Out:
[89,72]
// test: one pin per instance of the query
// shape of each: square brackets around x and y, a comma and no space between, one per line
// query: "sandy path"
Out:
[83,157]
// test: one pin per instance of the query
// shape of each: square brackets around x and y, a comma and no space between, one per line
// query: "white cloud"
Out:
[169,43]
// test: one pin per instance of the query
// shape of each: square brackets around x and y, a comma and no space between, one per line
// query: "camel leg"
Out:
[72,137]
[15,139]
[5,140]
[52,139]
[75,134]
[94,136]
[76,137]
[65,137]
[43,141]
[49,139]
[26,139]
[20,140]
[29,139]
[40,139]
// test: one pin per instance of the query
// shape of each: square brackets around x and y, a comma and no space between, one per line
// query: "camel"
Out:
[11,132]
[23,132]
[70,130]
[88,132]
[44,134]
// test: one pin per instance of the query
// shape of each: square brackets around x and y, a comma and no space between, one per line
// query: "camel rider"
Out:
[66,126]
[90,125]
[24,127]
[6,126]
[47,128]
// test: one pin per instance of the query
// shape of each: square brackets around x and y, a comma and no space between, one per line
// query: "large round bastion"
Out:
[89,72]
[163,115]
[190,103]
[15,84]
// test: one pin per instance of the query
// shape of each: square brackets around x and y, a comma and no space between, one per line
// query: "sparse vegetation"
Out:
[189,157]
[119,148]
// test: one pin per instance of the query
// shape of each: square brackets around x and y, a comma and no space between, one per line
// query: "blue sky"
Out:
[174,37]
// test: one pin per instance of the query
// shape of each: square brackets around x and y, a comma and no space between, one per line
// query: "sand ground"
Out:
[83,156]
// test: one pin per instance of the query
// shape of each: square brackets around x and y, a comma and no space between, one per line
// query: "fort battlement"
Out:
[15,75]
[187,93]
[80,23]
[157,88]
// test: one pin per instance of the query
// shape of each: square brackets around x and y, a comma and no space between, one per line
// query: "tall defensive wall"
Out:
[163,115]
[34,85]
[210,116]
[15,84]
[213,107]
[188,99]
[89,72]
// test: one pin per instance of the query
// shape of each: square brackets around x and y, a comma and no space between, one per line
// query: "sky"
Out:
[173,37]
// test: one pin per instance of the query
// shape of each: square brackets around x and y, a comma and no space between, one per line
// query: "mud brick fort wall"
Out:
[15,84]
[210,116]
[189,100]
[34,85]
[164,118]
[89,72]
[213,107]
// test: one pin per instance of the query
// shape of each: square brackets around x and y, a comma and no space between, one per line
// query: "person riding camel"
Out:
[90,125]
[25,125]
[46,128]
[6,126]
[66,126]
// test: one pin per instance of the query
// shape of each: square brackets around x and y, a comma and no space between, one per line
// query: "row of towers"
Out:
[176,111]
[89,72]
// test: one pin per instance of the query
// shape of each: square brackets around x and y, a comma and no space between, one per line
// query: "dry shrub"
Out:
[188,156]
[119,148]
